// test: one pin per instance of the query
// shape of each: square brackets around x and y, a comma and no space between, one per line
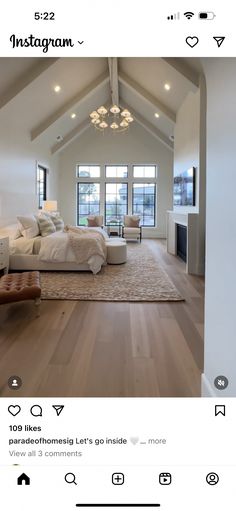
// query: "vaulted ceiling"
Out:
[27,91]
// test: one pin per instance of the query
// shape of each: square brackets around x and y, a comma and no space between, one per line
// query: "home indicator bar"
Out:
[118,505]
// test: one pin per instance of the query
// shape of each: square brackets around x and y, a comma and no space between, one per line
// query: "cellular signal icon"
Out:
[175,16]
[189,15]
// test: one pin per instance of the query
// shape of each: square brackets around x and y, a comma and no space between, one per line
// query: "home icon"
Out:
[23,480]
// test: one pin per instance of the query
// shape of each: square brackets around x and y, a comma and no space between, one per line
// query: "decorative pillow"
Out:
[11,231]
[56,219]
[132,221]
[46,225]
[58,222]
[92,221]
[48,213]
[28,226]
[95,220]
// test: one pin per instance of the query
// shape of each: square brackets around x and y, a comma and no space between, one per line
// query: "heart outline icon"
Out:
[192,41]
[134,439]
[14,410]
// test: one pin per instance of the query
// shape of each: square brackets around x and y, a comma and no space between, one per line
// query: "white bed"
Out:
[50,253]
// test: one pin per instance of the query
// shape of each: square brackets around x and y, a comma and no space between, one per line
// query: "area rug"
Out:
[140,279]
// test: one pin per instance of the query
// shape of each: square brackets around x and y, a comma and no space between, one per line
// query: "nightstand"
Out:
[4,255]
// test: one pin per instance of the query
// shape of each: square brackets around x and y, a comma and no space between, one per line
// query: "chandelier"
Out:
[114,118]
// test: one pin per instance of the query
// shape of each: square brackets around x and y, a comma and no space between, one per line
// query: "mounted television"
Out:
[184,188]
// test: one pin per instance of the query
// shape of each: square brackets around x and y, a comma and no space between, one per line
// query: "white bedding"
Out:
[54,248]
[22,246]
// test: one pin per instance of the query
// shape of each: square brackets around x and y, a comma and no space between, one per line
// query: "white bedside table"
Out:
[4,255]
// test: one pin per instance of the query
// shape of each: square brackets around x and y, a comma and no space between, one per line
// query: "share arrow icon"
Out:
[219,40]
[58,409]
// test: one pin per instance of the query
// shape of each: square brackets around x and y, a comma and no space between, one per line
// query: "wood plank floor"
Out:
[104,349]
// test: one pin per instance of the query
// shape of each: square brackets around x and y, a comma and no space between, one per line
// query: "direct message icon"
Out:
[58,409]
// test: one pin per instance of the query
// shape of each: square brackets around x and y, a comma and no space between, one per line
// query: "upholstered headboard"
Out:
[13,204]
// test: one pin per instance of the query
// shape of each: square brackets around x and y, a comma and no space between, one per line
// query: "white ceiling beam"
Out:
[114,84]
[73,134]
[144,94]
[152,130]
[184,69]
[78,98]
[26,79]
[76,132]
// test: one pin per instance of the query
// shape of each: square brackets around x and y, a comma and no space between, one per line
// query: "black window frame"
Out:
[41,168]
[105,201]
[87,203]
[154,184]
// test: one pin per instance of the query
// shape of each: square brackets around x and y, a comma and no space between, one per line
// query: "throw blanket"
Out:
[86,244]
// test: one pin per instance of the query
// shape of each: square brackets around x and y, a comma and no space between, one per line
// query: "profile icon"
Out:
[14,382]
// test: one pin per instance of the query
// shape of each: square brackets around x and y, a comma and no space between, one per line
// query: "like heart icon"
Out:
[14,410]
[192,41]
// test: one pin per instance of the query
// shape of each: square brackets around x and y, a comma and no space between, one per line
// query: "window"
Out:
[144,171]
[41,185]
[88,201]
[144,203]
[116,204]
[116,190]
[91,171]
[117,171]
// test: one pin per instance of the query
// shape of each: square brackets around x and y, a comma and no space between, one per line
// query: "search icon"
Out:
[70,478]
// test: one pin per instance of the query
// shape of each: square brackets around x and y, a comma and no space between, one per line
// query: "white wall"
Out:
[190,151]
[18,156]
[187,142]
[220,317]
[136,146]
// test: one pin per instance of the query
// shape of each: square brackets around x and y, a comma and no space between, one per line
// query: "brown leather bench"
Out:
[17,287]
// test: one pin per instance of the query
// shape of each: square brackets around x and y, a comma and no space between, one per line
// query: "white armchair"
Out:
[132,228]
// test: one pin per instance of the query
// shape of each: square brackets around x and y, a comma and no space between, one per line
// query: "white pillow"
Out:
[58,222]
[46,225]
[11,231]
[29,227]
[55,218]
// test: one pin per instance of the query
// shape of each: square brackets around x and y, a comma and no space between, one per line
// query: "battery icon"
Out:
[206,15]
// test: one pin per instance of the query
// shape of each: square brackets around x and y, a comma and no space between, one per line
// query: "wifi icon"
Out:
[189,15]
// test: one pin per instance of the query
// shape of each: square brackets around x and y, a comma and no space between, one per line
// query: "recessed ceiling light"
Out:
[157,115]
[73,116]
[167,86]
[57,88]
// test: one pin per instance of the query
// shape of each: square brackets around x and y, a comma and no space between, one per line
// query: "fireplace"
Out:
[181,243]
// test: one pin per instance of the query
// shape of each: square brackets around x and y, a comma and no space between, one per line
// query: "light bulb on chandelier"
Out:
[114,117]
